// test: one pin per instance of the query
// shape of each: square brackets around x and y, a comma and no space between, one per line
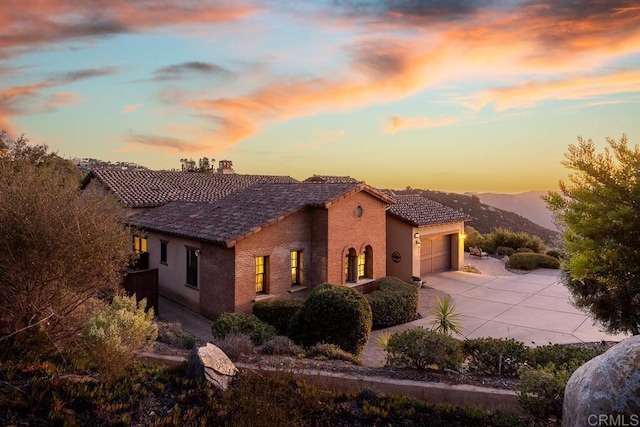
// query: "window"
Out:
[192,267]
[139,244]
[368,262]
[262,274]
[351,266]
[297,263]
[163,251]
[361,264]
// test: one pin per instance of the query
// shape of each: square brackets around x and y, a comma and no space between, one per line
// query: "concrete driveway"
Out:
[533,308]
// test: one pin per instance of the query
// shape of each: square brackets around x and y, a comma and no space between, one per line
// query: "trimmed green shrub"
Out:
[530,261]
[504,251]
[333,314]
[277,313]
[324,351]
[393,303]
[420,348]
[496,356]
[240,323]
[541,390]
[235,345]
[281,345]
[523,250]
[562,355]
[554,253]
[113,335]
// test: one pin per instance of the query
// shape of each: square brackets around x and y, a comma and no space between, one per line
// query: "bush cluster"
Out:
[562,355]
[393,303]
[502,237]
[496,356]
[420,348]
[554,253]
[541,390]
[113,335]
[531,261]
[504,251]
[324,351]
[281,345]
[335,315]
[277,313]
[172,333]
[242,324]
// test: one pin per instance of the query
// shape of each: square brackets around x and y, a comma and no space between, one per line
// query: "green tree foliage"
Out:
[598,209]
[59,249]
[202,165]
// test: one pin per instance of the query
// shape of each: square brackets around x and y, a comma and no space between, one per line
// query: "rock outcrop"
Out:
[606,389]
[210,363]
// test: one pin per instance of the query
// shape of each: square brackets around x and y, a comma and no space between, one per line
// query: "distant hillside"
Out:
[528,204]
[487,218]
[86,165]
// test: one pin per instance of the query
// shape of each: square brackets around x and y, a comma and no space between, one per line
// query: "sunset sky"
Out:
[448,95]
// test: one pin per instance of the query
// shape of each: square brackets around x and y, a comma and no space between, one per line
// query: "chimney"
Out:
[225,167]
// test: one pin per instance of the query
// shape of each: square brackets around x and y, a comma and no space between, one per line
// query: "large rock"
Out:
[605,389]
[210,363]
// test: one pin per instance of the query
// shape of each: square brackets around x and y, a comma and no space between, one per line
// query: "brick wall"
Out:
[276,241]
[217,294]
[347,230]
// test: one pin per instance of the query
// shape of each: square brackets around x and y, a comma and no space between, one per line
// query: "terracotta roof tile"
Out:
[330,178]
[244,212]
[147,188]
[419,211]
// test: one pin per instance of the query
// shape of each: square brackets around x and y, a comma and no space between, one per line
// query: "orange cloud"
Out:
[29,23]
[399,123]
[530,93]
[164,142]
[131,108]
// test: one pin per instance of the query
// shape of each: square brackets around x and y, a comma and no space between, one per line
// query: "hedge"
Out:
[393,303]
[242,324]
[277,313]
[531,261]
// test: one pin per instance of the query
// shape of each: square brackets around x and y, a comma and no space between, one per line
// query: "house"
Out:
[270,240]
[222,241]
[423,237]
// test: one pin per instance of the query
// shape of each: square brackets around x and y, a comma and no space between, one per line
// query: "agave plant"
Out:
[444,318]
[382,341]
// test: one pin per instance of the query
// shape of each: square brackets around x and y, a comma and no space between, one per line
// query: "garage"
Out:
[435,254]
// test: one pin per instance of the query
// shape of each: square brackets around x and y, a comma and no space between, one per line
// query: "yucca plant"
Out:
[382,341]
[444,318]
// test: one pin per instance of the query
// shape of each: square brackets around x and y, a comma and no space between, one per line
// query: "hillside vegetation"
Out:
[486,218]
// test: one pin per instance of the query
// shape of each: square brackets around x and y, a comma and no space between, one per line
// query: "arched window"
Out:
[368,262]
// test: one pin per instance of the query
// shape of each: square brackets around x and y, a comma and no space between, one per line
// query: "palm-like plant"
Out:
[444,317]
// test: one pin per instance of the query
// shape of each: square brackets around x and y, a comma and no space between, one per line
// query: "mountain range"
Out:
[529,204]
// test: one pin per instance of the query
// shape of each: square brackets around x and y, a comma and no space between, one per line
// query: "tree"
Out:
[598,210]
[202,165]
[60,249]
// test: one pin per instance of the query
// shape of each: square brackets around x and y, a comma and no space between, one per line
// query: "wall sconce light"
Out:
[416,236]
[418,243]
[197,252]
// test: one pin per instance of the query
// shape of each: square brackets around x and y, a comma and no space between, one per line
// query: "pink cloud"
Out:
[131,108]
[400,123]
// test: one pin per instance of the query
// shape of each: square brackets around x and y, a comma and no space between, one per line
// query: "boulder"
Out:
[210,363]
[605,389]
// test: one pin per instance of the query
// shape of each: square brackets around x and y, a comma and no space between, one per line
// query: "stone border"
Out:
[462,395]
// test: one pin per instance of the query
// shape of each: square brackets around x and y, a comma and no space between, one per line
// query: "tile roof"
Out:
[244,212]
[419,211]
[147,188]
[330,178]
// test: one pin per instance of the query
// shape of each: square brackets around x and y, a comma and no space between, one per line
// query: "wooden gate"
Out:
[144,283]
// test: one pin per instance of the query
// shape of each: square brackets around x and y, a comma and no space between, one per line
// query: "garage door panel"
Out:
[435,254]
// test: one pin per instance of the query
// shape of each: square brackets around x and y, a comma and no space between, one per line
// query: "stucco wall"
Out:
[347,230]
[400,240]
[172,276]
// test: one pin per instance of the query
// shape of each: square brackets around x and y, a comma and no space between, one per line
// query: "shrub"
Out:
[277,313]
[496,356]
[324,351]
[472,238]
[524,250]
[507,238]
[419,348]
[562,355]
[235,345]
[113,335]
[393,303]
[281,345]
[541,390]
[336,315]
[504,251]
[240,323]
[554,253]
[172,333]
[529,261]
